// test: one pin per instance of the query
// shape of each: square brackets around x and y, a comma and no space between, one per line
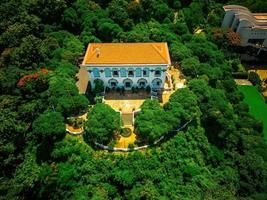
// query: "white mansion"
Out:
[252,27]
[127,64]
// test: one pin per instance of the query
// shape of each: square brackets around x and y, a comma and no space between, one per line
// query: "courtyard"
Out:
[125,105]
[173,82]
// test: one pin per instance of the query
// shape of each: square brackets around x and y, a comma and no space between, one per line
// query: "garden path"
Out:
[125,141]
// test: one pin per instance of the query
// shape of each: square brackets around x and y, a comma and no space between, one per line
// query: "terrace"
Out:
[127,95]
[127,101]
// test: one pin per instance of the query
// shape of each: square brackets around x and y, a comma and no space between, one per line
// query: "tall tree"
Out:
[48,126]
[101,129]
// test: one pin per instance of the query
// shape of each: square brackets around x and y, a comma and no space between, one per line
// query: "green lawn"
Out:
[257,106]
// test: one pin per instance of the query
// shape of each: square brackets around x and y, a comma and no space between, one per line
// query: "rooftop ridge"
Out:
[157,50]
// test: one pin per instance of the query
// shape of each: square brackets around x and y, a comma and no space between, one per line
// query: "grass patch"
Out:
[256,103]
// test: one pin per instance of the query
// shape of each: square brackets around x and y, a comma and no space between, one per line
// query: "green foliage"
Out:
[221,154]
[194,15]
[50,11]
[75,122]
[145,191]
[25,177]
[64,96]
[117,10]
[254,6]
[12,140]
[180,52]
[21,56]
[48,126]
[70,18]
[108,29]
[254,78]
[153,121]
[257,106]
[189,66]
[101,129]
[99,86]
[64,68]
[205,50]
[70,46]
[149,121]
[29,111]
[186,98]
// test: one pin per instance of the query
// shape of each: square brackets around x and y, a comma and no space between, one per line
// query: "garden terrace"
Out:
[127,95]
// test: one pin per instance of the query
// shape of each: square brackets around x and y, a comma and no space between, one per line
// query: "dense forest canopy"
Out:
[220,155]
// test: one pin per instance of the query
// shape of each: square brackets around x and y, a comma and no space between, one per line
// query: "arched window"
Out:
[107,72]
[128,83]
[96,72]
[156,83]
[138,72]
[146,72]
[142,83]
[123,72]
[113,83]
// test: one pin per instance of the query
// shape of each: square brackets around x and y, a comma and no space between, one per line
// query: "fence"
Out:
[141,147]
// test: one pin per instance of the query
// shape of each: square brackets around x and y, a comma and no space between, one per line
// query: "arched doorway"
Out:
[128,83]
[156,83]
[142,83]
[112,83]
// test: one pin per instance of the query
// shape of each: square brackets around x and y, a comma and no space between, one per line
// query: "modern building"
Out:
[127,64]
[252,27]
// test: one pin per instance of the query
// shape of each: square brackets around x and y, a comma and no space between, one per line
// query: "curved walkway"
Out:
[104,147]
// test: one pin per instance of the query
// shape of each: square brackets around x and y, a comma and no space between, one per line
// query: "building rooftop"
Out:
[260,16]
[256,20]
[127,53]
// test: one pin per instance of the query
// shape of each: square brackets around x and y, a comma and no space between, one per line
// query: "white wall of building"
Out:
[228,19]
[121,80]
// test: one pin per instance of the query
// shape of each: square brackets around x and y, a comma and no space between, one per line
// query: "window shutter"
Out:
[123,72]
[138,72]
[107,72]
[96,72]
[147,72]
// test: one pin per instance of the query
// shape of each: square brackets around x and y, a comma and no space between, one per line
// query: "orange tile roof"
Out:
[127,53]
[259,16]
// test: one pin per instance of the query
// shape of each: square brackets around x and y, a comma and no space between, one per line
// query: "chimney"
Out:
[97,50]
